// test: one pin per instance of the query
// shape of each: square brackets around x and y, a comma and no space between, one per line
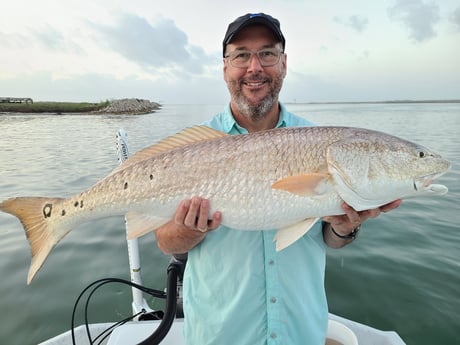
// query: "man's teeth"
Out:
[254,83]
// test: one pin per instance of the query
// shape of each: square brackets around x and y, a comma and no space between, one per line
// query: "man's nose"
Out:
[254,63]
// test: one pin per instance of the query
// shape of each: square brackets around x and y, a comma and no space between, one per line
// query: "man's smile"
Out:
[255,84]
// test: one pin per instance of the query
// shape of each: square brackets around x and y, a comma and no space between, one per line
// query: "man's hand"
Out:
[346,223]
[188,227]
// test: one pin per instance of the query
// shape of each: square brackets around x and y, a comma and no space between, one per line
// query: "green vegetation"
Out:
[52,107]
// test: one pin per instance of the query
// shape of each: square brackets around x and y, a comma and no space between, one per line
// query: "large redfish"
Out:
[277,179]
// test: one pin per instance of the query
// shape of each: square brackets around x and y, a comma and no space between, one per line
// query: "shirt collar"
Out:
[232,127]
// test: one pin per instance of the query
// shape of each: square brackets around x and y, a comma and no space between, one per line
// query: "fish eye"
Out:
[421,154]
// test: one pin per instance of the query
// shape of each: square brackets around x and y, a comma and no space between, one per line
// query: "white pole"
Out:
[139,302]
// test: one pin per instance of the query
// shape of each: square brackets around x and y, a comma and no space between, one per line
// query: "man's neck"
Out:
[268,121]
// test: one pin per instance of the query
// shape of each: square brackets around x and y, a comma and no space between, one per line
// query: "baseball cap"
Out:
[253,18]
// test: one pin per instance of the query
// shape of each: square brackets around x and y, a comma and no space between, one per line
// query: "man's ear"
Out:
[284,64]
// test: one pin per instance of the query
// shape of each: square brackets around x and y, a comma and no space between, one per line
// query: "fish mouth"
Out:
[425,184]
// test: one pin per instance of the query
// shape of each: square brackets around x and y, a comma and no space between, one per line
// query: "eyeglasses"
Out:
[242,58]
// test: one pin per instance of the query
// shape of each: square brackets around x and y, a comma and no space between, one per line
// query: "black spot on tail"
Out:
[126,185]
[47,210]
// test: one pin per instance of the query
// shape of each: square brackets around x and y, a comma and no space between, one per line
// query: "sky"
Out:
[171,51]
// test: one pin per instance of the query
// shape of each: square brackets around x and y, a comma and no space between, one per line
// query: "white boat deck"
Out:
[135,332]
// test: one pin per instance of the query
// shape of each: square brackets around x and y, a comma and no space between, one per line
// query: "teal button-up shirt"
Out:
[239,291]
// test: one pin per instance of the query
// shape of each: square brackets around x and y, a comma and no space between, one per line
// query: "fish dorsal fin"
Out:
[304,184]
[185,137]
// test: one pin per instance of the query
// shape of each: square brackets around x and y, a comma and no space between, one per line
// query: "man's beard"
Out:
[257,111]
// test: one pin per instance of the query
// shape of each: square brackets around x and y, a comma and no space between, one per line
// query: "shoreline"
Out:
[125,106]
[136,106]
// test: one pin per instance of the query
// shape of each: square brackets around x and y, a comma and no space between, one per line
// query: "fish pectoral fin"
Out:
[286,236]
[304,184]
[138,224]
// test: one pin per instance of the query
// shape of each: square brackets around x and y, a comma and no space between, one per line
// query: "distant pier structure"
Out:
[15,100]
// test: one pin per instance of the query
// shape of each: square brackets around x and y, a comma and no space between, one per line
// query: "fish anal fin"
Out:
[36,216]
[185,137]
[286,236]
[303,184]
[139,224]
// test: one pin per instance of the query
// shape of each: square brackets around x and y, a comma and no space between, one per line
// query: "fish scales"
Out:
[234,180]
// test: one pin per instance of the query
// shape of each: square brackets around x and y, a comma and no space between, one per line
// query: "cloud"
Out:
[52,39]
[47,37]
[13,40]
[455,18]
[419,17]
[357,23]
[154,47]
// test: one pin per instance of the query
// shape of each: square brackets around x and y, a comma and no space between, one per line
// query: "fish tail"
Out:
[37,216]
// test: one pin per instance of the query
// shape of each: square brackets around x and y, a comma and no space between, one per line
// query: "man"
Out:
[237,288]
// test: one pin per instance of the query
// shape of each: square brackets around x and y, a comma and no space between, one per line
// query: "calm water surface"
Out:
[403,273]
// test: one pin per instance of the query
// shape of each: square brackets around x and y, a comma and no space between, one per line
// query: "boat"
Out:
[165,327]
[137,332]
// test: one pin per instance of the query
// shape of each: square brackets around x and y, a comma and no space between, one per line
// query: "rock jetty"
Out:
[130,106]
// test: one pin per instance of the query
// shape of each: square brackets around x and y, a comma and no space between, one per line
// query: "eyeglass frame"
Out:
[278,50]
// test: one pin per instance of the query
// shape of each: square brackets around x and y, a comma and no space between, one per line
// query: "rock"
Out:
[130,106]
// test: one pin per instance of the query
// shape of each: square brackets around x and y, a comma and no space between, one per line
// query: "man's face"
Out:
[255,89]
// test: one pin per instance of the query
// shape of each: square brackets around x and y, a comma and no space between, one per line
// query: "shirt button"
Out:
[273,335]
[271,262]
[273,299]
